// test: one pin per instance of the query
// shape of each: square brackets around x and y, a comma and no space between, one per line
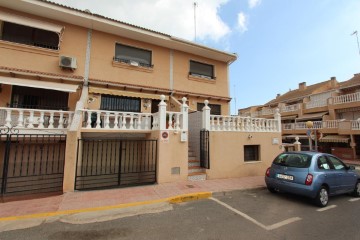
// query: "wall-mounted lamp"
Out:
[90,100]
[147,103]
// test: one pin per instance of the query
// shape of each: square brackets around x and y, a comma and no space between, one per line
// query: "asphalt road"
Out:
[251,214]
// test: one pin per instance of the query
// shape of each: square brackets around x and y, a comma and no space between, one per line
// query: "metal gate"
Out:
[204,149]
[32,163]
[107,163]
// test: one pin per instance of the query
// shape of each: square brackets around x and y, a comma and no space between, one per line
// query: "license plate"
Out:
[285,177]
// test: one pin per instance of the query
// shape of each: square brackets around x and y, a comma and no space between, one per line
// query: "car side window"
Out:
[323,163]
[338,165]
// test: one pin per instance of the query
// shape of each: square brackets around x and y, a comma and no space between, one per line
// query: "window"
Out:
[251,153]
[28,35]
[338,165]
[296,160]
[34,98]
[201,70]
[215,108]
[323,163]
[132,55]
[119,103]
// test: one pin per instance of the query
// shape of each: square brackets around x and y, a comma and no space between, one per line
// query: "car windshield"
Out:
[296,160]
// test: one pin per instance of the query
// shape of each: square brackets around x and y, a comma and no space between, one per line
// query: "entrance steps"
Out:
[195,172]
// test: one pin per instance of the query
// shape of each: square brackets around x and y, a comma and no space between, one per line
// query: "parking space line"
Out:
[247,217]
[283,223]
[326,208]
[354,199]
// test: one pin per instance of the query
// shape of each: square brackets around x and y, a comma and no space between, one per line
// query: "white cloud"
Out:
[242,21]
[254,3]
[173,17]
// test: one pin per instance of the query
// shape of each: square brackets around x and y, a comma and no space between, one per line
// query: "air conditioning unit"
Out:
[67,62]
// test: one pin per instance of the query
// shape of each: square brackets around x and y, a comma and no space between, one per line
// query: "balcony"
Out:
[316,104]
[340,126]
[129,121]
[35,120]
[243,124]
[348,98]
[289,108]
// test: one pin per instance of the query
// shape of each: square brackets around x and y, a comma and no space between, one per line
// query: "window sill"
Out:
[202,79]
[28,48]
[252,162]
[131,67]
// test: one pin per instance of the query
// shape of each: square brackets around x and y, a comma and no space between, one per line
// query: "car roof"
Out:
[310,153]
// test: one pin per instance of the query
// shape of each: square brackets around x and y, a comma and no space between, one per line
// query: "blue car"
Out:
[312,174]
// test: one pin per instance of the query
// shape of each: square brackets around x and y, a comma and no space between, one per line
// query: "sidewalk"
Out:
[88,201]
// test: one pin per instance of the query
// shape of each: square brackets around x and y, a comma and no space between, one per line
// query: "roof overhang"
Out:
[92,21]
[38,84]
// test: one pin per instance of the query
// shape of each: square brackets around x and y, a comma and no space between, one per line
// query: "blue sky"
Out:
[279,43]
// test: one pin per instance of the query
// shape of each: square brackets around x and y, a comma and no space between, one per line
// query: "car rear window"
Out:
[296,160]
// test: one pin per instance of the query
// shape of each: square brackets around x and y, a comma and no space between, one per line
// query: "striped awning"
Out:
[335,138]
[30,22]
[125,93]
[64,87]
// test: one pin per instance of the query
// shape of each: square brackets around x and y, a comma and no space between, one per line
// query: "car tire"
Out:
[356,192]
[322,198]
[272,190]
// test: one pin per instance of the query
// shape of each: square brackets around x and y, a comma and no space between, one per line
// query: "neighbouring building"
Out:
[332,107]
[89,102]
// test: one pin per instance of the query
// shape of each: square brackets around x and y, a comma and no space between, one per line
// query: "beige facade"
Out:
[120,96]
[332,107]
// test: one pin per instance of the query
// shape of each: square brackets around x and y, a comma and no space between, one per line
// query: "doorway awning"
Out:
[291,117]
[335,138]
[125,93]
[39,84]
[294,136]
[311,116]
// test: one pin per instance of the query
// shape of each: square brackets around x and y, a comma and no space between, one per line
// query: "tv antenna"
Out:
[195,5]
[357,39]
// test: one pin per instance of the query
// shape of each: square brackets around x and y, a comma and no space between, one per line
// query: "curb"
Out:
[172,200]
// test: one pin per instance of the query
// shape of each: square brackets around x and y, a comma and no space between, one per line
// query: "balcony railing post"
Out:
[185,115]
[21,119]
[8,118]
[206,116]
[162,113]
[277,117]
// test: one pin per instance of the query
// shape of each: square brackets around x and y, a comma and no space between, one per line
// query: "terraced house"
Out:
[325,116]
[90,102]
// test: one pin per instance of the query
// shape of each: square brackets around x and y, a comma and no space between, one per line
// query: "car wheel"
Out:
[322,197]
[272,190]
[356,192]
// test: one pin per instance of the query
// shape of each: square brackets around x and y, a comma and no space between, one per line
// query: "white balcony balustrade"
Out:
[23,118]
[242,124]
[101,119]
[332,123]
[355,124]
[132,121]
[290,108]
[348,98]
[315,104]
